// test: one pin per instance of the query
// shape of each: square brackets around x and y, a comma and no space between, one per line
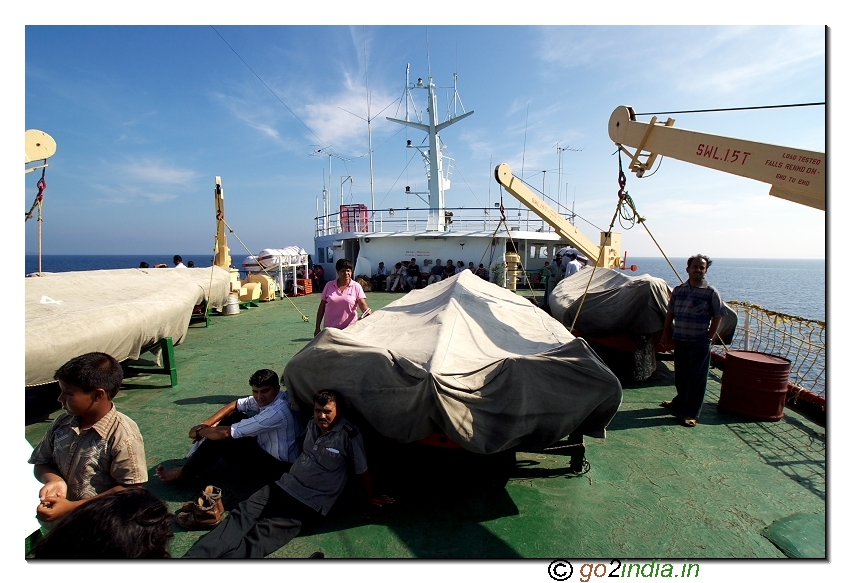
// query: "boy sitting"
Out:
[91,449]
[274,515]
[263,443]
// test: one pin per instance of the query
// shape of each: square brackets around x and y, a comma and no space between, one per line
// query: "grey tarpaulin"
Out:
[467,358]
[615,304]
[619,304]
[121,312]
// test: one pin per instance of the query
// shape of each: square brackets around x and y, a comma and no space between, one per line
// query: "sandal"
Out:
[204,514]
[689,422]
[667,404]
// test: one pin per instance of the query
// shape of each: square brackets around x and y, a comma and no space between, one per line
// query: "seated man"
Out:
[379,277]
[436,272]
[413,274]
[396,279]
[449,269]
[91,449]
[264,443]
[274,515]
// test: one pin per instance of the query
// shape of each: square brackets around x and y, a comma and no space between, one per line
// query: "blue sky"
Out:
[146,117]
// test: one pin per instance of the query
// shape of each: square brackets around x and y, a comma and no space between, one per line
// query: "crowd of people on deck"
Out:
[93,469]
[409,275]
[92,466]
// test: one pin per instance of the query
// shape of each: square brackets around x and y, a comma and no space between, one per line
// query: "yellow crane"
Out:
[793,174]
[609,241]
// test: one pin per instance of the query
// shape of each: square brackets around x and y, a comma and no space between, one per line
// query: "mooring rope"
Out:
[304,318]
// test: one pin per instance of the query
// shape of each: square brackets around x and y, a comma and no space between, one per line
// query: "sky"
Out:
[145,118]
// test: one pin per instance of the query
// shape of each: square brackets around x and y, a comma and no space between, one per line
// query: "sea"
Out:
[796,287]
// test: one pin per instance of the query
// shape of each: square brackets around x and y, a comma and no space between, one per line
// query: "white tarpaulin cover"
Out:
[121,312]
[466,358]
[615,304]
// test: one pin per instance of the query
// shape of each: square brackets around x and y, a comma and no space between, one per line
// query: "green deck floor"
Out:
[655,488]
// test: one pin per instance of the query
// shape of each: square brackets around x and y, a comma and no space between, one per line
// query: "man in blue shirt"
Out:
[257,432]
[697,310]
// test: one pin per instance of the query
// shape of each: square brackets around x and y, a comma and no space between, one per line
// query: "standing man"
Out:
[555,275]
[697,309]
[573,266]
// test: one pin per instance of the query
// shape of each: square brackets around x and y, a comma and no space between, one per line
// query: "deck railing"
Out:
[800,340]
[416,219]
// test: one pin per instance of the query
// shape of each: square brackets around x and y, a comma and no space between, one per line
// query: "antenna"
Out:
[566,194]
[524,138]
[330,154]
[369,127]
[428,54]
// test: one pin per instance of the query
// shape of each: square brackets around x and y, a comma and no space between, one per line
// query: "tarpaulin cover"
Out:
[466,358]
[619,304]
[615,304]
[122,312]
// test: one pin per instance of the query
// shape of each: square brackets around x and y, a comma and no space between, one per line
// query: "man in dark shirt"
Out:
[697,310]
[274,515]
[413,274]
[436,272]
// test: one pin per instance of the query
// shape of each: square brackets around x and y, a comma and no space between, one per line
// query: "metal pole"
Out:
[39,238]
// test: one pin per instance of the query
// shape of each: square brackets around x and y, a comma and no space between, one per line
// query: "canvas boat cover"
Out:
[619,304]
[122,312]
[466,358]
[615,303]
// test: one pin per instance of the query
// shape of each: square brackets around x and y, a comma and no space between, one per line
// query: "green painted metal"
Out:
[169,363]
[654,489]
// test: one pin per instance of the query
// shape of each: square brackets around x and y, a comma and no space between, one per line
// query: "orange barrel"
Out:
[754,384]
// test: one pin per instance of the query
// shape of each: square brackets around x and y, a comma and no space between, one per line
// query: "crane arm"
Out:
[565,230]
[794,174]
[222,251]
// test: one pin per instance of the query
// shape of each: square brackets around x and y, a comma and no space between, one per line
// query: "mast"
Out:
[369,127]
[437,184]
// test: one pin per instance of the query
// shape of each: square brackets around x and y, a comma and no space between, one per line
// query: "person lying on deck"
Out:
[275,514]
[257,432]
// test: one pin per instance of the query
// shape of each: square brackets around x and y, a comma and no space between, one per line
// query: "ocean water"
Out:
[793,286]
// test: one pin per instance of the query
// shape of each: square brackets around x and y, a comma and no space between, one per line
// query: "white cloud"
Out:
[156,172]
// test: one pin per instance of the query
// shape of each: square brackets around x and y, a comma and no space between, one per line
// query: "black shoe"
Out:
[317,555]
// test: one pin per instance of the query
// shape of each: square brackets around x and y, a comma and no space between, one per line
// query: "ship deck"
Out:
[655,489]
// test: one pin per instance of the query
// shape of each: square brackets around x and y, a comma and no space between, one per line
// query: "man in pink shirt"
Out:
[340,299]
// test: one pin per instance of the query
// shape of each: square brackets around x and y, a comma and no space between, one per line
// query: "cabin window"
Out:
[532,252]
[330,255]
[544,253]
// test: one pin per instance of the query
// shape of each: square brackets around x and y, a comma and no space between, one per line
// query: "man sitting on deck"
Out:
[91,449]
[264,442]
[274,515]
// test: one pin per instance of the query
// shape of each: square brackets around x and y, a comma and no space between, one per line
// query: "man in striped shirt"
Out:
[257,432]
[697,310]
